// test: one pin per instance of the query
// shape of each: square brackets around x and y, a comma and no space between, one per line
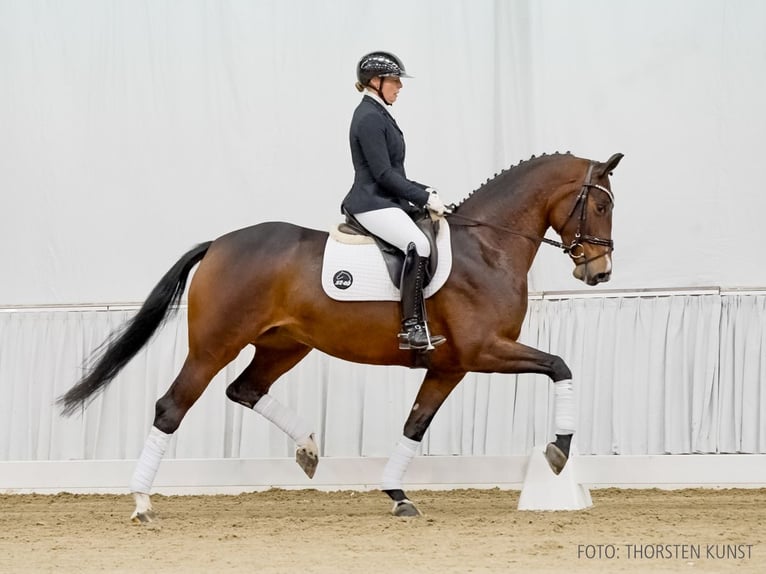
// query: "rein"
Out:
[579,238]
[476,223]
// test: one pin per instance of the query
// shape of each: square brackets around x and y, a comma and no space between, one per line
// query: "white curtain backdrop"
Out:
[131,130]
[681,374]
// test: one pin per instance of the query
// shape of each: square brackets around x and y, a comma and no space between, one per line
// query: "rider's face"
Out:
[389,86]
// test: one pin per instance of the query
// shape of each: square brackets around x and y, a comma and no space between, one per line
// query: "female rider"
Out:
[381,197]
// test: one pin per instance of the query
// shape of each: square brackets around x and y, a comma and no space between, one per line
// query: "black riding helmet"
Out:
[383,64]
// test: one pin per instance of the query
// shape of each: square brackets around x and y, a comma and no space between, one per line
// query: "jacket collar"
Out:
[376,98]
[376,101]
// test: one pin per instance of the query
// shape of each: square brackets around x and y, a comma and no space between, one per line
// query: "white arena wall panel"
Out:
[235,476]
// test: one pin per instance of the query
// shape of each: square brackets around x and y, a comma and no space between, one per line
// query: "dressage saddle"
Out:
[393,256]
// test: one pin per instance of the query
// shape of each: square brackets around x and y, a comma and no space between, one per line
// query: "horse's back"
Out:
[272,237]
[255,263]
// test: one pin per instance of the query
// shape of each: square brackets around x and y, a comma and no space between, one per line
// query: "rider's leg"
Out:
[414,334]
[395,226]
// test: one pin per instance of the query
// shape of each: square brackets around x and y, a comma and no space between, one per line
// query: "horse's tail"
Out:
[123,344]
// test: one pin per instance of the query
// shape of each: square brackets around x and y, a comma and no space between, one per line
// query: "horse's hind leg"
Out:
[251,387]
[170,409]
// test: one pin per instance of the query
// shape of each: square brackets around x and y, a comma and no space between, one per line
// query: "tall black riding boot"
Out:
[414,333]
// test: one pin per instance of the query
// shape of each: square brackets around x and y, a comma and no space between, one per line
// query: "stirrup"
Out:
[426,341]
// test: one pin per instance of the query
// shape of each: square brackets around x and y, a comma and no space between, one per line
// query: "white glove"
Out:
[435,203]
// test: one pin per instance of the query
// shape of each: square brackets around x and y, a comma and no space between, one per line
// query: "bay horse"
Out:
[261,286]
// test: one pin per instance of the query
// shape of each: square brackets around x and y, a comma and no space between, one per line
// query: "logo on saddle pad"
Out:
[342,279]
[353,268]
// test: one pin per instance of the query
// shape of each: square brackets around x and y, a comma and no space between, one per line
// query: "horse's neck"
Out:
[514,208]
[515,223]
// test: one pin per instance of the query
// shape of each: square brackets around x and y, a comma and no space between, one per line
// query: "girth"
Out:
[392,255]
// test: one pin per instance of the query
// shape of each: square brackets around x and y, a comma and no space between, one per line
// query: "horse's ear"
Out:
[604,168]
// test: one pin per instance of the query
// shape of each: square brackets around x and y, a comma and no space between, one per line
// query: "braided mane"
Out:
[509,172]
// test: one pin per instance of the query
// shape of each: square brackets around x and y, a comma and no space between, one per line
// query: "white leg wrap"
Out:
[286,419]
[564,407]
[149,462]
[397,465]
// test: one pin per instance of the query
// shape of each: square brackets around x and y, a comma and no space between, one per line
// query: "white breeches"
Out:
[395,226]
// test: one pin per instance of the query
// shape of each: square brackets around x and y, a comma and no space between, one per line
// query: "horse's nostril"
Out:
[603,277]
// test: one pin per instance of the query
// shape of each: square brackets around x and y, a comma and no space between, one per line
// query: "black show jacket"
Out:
[377,152]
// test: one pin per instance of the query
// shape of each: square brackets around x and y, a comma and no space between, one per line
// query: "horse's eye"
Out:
[601,208]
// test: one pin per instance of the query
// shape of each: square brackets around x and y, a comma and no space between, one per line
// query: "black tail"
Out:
[122,345]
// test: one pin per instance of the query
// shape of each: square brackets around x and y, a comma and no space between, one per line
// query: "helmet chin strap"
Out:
[379,90]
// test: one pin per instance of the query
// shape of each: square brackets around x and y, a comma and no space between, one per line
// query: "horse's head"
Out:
[583,218]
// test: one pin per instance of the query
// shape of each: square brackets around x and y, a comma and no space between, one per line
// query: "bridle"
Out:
[582,203]
[575,249]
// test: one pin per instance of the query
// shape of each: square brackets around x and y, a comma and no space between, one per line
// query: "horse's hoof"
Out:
[404,508]
[556,458]
[143,517]
[307,457]
[143,514]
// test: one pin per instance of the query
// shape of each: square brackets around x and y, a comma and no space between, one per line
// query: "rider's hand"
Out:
[435,203]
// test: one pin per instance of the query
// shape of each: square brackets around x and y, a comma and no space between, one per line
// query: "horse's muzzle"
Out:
[600,278]
[589,276]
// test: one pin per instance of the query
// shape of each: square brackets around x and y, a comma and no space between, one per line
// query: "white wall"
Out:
[130,130]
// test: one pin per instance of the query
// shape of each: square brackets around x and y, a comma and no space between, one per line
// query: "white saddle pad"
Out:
[357,272]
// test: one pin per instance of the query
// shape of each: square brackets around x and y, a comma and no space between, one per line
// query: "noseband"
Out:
[581,202]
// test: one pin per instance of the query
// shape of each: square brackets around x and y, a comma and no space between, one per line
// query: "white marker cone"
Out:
[544,490]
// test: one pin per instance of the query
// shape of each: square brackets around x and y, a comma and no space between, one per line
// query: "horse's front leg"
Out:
[512,357]
[433,391]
